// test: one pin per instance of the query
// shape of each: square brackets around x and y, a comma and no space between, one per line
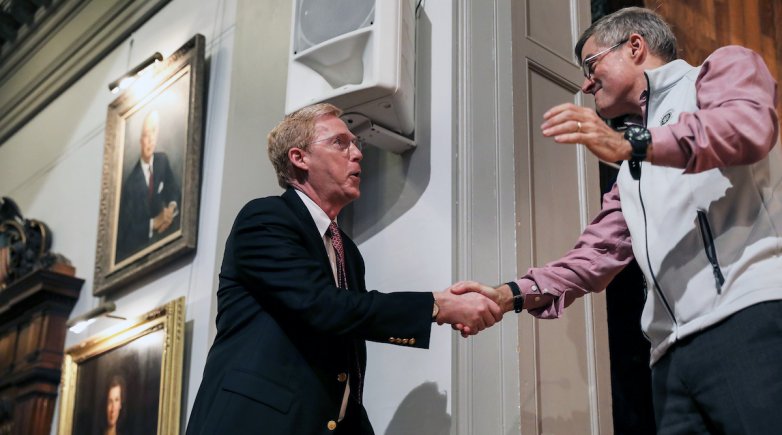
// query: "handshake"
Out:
[471,307]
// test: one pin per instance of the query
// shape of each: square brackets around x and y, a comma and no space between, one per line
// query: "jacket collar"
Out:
[300,210]
[659,82]
[663,77]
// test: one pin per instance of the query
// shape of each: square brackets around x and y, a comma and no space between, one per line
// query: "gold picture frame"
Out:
[151,178]
[128,377]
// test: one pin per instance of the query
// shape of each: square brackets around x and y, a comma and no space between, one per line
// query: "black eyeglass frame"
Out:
[587,66]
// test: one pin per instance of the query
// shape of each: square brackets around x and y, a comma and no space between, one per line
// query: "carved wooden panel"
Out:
[704,25]
[33,312]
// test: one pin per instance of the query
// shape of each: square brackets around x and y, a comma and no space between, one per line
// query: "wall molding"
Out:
[62,49]
[486,367]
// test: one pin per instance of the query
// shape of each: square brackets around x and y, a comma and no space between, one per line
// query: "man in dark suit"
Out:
[293,310]
[150,196]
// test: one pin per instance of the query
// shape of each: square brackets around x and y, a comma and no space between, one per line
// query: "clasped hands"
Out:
[471,307]
[165,218]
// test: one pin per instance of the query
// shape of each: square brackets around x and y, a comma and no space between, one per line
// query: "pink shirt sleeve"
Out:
[601,252]
[737,121]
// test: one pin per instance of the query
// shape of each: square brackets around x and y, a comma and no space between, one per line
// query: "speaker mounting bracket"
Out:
[378,136]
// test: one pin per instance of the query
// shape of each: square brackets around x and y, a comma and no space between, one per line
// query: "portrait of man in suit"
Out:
[150,195]
[293,310]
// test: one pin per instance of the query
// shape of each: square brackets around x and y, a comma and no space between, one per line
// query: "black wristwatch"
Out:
[639,138]
[518,298]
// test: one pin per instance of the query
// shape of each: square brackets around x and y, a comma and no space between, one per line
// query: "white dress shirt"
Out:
[322,221]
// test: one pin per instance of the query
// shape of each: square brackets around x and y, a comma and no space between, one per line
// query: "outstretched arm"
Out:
[602,251]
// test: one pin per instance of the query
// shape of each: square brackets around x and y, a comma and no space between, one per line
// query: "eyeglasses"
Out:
[342,142]
[588,65]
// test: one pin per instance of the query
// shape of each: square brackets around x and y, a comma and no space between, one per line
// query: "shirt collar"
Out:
[320,217]
[144,165]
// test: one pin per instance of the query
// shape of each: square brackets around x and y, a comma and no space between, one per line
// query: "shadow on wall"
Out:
[424,411]
[391,183]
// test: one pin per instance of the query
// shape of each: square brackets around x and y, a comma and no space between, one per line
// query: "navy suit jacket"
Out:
[285,331]
[137,207]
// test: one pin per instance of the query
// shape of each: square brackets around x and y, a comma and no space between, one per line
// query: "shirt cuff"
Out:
[665,149]
[530,290]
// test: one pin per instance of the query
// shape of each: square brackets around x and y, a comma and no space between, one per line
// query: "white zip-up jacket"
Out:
[705,220]
[709,243]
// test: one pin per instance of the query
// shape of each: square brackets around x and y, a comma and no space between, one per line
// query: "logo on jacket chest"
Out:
[666,117]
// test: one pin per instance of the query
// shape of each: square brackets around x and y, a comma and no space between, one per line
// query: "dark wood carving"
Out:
[24,244]
[702,26]
[33,312]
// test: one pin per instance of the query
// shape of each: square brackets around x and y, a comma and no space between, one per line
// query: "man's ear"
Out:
[638,47]
[299,158]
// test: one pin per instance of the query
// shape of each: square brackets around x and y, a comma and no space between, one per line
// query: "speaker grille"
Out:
[321,20]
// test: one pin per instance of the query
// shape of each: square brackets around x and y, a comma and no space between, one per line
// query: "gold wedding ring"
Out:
[579,126]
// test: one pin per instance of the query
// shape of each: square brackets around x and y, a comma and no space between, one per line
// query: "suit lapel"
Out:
[352,255]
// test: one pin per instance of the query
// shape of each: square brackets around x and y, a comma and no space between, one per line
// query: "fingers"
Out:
[483,312]
[469,307]
[561,127]
[463,330]
[556,110]
[463,287]
[567,122]
[496,311]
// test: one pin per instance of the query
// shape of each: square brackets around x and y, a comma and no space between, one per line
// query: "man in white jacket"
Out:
[698,204]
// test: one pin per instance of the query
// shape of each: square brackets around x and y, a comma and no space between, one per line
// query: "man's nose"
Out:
[588,86]
[355,153]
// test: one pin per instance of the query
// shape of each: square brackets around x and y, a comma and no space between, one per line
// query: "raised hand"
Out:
[571,124]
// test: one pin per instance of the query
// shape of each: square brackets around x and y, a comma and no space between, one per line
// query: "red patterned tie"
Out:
[356,380]
[339,250]
[150,188]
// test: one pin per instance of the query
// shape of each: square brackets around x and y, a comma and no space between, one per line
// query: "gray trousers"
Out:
[726,379]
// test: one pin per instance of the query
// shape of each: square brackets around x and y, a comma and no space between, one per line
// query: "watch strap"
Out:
[518,298]
[639,138]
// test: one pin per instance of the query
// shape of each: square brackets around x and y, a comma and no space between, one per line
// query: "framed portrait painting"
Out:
[151,179]
[127,380]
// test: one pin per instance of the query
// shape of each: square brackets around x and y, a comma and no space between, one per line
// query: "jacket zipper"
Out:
[711,250]
[649,261]
[643,209]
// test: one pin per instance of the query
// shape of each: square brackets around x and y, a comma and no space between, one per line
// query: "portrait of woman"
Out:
[118,392]
[115,397]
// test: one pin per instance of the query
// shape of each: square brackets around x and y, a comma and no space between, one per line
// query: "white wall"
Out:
[403,221]
[52,168]
[403,224]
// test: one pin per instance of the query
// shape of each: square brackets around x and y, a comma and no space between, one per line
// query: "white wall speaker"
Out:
[360,56]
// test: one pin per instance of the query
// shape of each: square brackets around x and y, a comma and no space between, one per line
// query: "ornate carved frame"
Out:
[187,62]
[169,318]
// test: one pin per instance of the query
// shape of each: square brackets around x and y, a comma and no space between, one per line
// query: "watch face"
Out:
[639,138]
[638,134]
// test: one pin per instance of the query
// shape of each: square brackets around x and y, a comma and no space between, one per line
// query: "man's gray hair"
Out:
[618,26]
[297,130]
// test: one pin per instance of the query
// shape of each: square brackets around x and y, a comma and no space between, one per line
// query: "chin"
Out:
[606,113]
